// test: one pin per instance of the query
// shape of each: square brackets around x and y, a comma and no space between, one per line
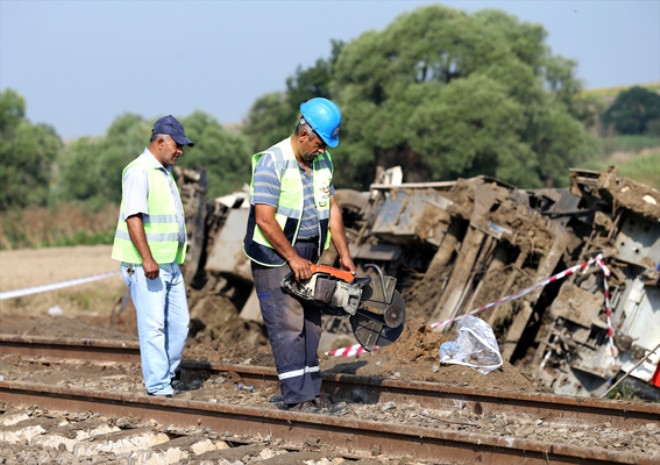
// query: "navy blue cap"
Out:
[170,125]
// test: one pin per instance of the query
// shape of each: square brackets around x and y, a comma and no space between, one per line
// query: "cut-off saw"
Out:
[373,306]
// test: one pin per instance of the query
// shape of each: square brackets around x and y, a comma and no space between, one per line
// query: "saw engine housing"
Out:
[374,307]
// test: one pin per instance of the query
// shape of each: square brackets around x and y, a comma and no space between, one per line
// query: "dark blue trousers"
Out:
[294,330]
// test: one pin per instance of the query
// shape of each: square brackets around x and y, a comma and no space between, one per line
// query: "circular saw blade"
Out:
[371,330]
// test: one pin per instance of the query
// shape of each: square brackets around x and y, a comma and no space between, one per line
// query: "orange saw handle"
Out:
[332,271]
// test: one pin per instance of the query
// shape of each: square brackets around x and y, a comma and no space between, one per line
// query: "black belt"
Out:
[308,239]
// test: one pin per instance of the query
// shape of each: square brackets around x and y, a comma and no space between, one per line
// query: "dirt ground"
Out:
[98,310]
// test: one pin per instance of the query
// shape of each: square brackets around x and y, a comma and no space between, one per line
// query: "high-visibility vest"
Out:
[289,210]
[160,225]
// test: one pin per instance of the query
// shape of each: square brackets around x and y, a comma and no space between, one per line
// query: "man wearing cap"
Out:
[150,242]
[294,217]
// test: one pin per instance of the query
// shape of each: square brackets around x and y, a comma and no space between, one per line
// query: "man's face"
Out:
[170,151]
[311,146]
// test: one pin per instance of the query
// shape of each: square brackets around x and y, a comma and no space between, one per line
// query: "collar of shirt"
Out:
[153,161]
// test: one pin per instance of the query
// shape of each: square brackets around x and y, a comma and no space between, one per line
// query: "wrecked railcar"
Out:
[457,246]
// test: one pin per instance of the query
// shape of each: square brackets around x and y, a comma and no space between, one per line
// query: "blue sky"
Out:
[80,64]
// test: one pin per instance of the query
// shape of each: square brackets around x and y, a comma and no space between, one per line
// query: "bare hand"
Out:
[151,269]
[301,268]
[346,263]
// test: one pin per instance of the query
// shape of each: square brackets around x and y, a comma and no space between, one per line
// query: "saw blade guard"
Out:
[382,315]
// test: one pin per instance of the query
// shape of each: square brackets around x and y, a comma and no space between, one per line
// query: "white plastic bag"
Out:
[475,346]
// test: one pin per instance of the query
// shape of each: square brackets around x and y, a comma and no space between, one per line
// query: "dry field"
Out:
[22,269]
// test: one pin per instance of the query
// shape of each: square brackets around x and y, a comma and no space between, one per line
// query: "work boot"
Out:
[275,398]
[335,408]
[179,385]
[308,407]
[278,401]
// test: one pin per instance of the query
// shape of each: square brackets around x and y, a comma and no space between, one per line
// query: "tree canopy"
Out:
[90,168]
[448,94]
[273,116]
[27,151]
[633,110]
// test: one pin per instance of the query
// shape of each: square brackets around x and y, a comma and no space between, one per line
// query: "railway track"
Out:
[388,419]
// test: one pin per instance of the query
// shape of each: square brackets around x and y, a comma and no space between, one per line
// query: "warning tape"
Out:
[50,287]
[357,349]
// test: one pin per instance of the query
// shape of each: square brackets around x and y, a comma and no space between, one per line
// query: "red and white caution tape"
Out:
[608,311]
[358,349]
[50,287]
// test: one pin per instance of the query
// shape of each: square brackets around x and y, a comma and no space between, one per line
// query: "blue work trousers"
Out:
[294,330]
[162,321]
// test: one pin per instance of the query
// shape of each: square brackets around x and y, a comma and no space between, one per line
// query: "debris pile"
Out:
[457,246]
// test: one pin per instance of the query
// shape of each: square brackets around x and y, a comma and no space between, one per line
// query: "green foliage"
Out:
[90,168]
[269,120]
[633,110]
[444,94]
[447,94]
[644,168]
[630,143]
[27,151]
[224,155]
[273,116]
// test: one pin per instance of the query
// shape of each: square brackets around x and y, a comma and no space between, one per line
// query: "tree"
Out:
[224,155]
[269,120]
[633,110]
[444,94]
[274,116]
[90,168]
[447,94]
[27,151]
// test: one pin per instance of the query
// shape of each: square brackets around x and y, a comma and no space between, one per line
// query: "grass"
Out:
[67,225]
[633,144]
[641,167]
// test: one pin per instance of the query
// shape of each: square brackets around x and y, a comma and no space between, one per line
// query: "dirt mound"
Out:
[415,356]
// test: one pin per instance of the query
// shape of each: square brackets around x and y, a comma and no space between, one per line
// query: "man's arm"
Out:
[139,239]
[265,216]
[339,236]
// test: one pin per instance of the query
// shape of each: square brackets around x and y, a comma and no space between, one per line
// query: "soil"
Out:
[98,310]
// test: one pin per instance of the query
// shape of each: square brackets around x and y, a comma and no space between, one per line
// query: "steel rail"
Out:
[347,433]
[550,408]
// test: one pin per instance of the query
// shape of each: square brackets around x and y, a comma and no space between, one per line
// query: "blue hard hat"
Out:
[324,117]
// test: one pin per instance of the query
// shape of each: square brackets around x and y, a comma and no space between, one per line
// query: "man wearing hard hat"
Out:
[293,218]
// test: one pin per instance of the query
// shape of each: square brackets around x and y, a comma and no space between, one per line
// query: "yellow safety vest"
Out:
[290,204]
[160,225]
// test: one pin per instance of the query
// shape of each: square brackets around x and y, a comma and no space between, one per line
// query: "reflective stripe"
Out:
[159,219]
[151,237]
[297,373]
[290,212]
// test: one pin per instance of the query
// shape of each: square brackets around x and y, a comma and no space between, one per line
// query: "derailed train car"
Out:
[460,246]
